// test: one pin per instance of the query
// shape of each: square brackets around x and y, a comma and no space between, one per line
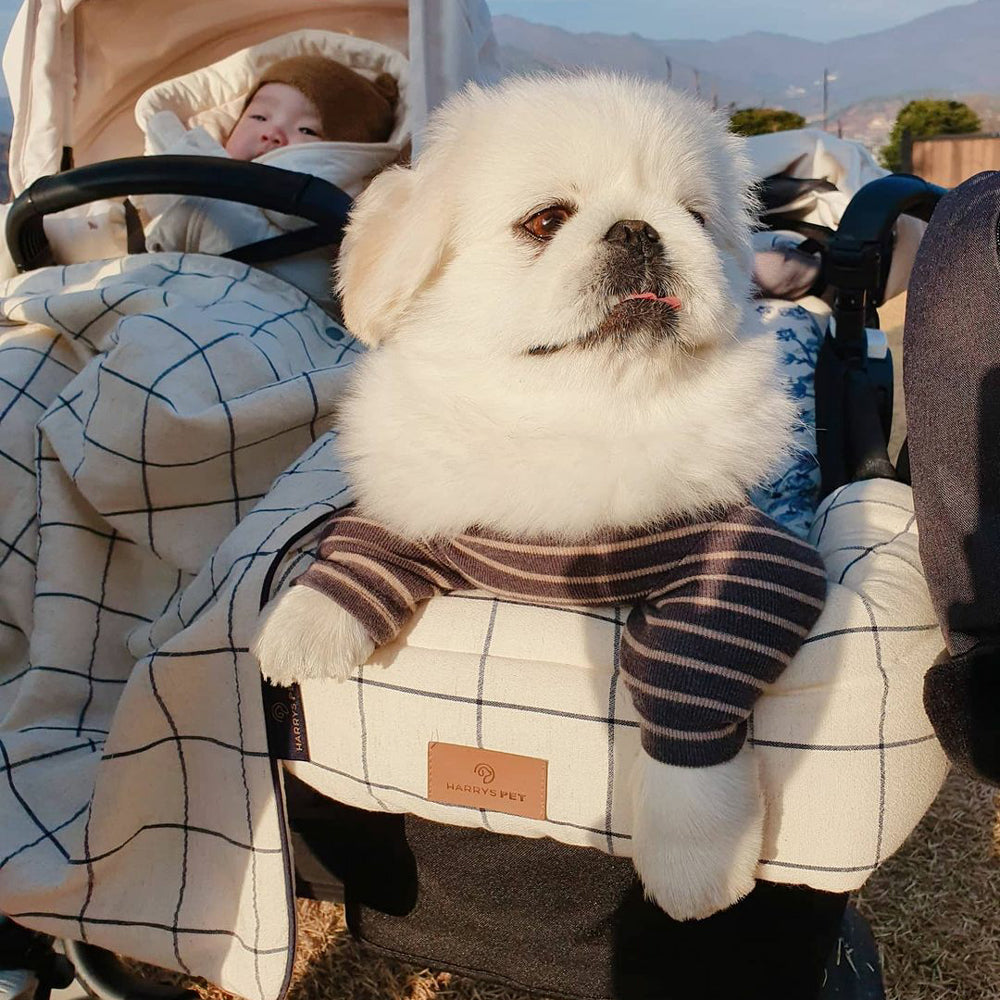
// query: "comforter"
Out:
[147,405]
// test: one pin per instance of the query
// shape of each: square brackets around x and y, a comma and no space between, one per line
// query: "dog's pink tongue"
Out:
[670,300]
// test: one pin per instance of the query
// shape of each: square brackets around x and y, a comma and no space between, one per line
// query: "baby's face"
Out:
[278,115]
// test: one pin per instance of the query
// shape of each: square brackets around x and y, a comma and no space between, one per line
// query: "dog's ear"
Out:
[393,245]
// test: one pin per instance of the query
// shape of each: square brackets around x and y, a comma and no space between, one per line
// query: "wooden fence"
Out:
[950,159]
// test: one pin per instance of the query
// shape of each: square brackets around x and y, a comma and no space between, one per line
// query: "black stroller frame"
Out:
[538,915]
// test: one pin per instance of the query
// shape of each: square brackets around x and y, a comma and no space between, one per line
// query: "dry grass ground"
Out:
[934,907]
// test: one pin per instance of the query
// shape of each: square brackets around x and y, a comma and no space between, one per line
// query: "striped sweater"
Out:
[720,606]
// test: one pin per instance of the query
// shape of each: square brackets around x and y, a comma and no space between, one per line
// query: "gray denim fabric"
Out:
[951,377]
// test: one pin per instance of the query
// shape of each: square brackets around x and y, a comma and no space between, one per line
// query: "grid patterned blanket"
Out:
[146,405]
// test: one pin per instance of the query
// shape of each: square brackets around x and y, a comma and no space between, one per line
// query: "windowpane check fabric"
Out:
[848,760]
[720,606]
[148,408]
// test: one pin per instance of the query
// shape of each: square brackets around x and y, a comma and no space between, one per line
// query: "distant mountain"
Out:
[951,51]
[871,121]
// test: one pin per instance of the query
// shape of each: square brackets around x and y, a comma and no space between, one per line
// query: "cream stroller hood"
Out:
[75,69]
[214,96]
[810,152]
[210,100]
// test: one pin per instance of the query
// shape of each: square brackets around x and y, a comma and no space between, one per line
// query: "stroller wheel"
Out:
[17,984]
[104,977]
[30,967]
[853,971]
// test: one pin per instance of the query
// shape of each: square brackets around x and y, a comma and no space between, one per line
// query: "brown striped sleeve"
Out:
[376,574]
[720,626]
[722,606]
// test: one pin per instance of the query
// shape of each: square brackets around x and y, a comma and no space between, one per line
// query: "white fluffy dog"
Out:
[553,293]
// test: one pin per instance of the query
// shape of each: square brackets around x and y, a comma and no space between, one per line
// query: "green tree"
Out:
[757,121]
[926,118]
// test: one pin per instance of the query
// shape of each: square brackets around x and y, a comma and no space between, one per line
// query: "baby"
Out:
[297,102]
[313,99]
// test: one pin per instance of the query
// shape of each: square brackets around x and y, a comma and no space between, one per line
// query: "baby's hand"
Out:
[303,635]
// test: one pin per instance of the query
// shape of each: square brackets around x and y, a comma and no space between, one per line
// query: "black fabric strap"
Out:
[285,245]
[562,921]
[135,237]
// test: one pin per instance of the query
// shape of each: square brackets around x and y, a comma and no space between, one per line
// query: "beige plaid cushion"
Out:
[849,759]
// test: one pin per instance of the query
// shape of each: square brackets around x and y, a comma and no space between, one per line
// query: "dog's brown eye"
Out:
[697,216]
[544,224]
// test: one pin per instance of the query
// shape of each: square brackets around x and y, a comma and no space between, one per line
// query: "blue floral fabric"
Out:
[790,498]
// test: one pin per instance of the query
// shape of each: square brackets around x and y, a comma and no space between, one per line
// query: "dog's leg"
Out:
[697,833]
[303,635]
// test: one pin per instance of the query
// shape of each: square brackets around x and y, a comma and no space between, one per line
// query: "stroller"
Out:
[145,776]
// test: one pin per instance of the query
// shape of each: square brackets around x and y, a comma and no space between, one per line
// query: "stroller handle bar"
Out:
[877,205]
[287,191]
[854,408]
[860,252]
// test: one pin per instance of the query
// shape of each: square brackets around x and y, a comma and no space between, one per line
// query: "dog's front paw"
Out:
[303,635]
[697,833]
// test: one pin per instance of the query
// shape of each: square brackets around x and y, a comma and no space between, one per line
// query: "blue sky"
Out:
[715,19]
[711,19]
[8,8]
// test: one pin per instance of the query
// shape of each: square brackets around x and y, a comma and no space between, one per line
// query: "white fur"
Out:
[451,422]
[697,833]
[302,635]
[432,274]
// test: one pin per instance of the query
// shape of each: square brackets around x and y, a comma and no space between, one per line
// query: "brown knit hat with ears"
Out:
[351,107]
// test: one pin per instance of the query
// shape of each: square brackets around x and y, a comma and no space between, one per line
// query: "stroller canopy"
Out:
[75,68]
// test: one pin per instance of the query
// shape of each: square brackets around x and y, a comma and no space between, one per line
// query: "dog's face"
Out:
[588,217]
[554,291]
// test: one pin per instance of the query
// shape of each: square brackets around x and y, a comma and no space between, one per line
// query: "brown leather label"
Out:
[487,779]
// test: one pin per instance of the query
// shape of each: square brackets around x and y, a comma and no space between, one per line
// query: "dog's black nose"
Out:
[633,233]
